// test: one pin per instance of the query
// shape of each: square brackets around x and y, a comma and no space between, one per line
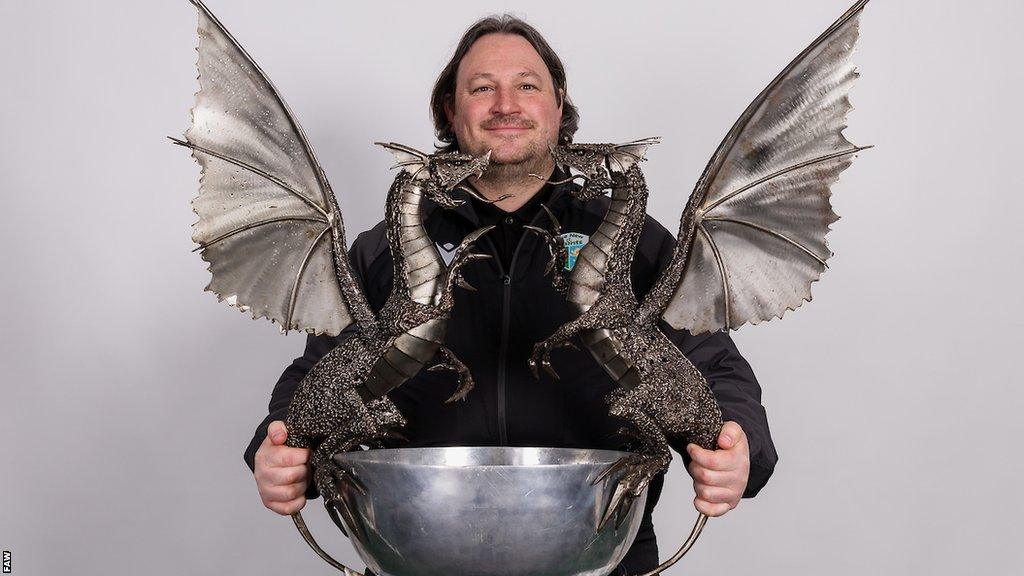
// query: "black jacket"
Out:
[493,331]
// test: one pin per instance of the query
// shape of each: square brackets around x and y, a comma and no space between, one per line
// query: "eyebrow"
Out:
[489,76]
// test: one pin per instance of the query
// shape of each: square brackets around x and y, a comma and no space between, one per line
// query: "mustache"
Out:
[507,122]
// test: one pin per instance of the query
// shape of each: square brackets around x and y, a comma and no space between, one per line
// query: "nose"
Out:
[505,102]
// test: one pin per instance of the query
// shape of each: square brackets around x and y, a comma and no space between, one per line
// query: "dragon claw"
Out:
[465,382]
[460,394]
[638,470]
[556,247]
[611,469]
[463,256]
[348,479]
[618,508]
[546,364]
[479,196]
[455,365]
[393,434]
[537,229]
[555,224]
[550,268]
[541,357]
[473,237]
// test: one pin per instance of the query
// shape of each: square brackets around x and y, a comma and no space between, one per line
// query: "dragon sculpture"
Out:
[751,242]
[271,229]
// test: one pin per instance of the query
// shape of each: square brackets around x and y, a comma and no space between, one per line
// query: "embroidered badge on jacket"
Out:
[573,242]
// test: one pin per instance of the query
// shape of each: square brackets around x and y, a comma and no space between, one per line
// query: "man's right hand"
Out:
[282,472]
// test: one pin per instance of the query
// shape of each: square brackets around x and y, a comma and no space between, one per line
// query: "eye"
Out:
[529,87]
[479,89]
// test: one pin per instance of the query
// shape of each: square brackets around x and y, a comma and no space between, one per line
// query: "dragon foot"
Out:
[451,362]
[556,248]
[333,481]
[541,357]
[638,470]
[462,257]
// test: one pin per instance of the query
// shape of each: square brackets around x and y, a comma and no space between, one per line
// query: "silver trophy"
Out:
[751,241]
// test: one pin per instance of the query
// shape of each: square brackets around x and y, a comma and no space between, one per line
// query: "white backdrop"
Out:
[128,394]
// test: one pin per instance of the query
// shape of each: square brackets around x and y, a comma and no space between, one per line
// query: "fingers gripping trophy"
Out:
[750,243]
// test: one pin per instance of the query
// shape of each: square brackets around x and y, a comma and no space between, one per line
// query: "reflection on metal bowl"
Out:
[491,511]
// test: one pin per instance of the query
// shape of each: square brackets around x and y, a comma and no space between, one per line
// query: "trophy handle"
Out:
[308,537]
[697,527]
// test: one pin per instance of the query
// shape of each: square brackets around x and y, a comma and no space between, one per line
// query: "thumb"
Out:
[729,435]
[277,432]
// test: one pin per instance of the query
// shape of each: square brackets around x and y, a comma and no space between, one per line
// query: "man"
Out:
[505,91]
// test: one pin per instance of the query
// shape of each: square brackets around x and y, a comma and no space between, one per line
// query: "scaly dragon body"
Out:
[342,402]
[660,392]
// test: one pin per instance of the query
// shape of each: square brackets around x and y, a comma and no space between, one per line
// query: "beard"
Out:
[531,157]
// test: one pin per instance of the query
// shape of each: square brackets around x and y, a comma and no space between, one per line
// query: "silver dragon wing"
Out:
[752,237]
[622,157]
[408,159]
[269,224]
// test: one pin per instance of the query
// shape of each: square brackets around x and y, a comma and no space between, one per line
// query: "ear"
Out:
[561,99]
[448,113]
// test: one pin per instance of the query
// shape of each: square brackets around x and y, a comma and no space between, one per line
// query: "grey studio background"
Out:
[129,394]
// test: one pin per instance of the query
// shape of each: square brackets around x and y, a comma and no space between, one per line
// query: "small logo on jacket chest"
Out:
[447,251]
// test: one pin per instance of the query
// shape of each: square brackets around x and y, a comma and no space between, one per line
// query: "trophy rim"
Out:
[486,456]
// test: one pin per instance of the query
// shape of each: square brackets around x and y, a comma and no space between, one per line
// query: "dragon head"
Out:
[440,174]
[448,171]
[598,165]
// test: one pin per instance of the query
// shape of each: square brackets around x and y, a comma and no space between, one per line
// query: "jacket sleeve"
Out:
[366,262]
[730,377]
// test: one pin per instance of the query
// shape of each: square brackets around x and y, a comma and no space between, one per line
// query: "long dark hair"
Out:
[444,88]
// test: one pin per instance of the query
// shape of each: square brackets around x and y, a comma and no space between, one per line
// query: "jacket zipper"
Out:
[506,313]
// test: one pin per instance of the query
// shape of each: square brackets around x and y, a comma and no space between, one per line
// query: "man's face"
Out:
[505,102]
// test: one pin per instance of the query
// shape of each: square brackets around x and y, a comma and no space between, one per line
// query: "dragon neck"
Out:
[603,264]
[665,287]
[362,314]
[418,268]
[629,198]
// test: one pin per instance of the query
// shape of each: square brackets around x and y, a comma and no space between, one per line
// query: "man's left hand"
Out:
[720,476]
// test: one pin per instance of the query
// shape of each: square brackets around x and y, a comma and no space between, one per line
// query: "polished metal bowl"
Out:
[492,511]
